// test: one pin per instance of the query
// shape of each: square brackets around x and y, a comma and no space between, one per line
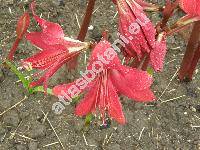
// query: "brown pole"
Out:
[190,51]
[86,21]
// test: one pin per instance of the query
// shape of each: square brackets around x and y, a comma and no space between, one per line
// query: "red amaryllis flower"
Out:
[138,33]
[56,49]
[104,78]
[51,34]
[191,7]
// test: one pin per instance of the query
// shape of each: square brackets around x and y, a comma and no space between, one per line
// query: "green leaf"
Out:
[41,89]
[26,82]
[88,119]
[20,75]
[76,99]
[150,70]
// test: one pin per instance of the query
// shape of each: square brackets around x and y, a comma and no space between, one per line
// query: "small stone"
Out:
[193,109]
[198,146]
[33,146]
[91,27]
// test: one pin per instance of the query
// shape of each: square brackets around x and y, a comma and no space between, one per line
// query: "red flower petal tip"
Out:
[23,25]
[157,55]
[21,29]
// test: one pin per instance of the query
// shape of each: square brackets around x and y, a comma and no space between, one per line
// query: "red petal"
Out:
[114,1]
[100,50]
[143,96]
[45,58]
[57,90]
[137,40]
[190,6]
[50,72]
[22,25]
[128,87]
[157,55]
[114,105]
[87,104]
[38,82]
[52,32]
[134,78]
[132,83]
[148,28]
[36,39]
